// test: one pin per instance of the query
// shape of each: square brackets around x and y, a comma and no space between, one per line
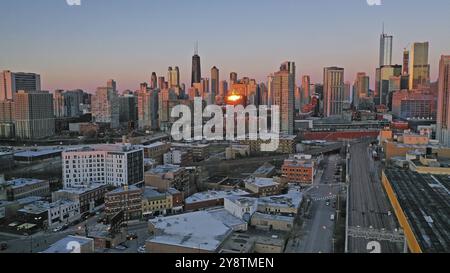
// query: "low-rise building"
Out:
[237,151]
[265,171]
[72,244]
[421,205]
[196,232]
[178,157]
[208,199]
[22,188]
[89,197]
[272,222]
[262,186]
[127,199]
[155,203]
[287,204]
[156,151]
[287,144]
[47,215]
[164,177]
[199,151]
[241,207]
[297,170]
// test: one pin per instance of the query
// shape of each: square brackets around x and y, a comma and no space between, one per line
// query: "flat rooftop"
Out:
[118,148]
[85,189]
[280,218]
[161,169]
[265,169]
[196,230]
[213,195]
[22,182]
[227,218]
[261,182]
[153,145]
[291,200]
[152,193]
[425,200]
[38,153]
[61,246]
[242,201]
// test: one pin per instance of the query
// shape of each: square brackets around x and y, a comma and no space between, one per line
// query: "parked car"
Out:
[121,247]
[142,249]
[3,246]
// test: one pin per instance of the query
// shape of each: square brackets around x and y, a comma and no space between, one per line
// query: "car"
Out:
[328,204]
[142,249]
[57,229]
[121,247]
[131,236]
[3,246]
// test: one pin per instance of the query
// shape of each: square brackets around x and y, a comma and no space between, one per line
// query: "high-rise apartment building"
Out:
[12,82]
[58,103]
[361,88]
[154,81]
[214,84]
[72,101]
[333,89]
[305,90]
[233,77]
[283,96]
[34,117]
[419,68]
[443,114]
[405,70]
[174,77]
[105,105]
[223,88]
[148,107]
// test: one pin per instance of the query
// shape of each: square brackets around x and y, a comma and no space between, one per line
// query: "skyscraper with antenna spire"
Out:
[385,48]
[196,67]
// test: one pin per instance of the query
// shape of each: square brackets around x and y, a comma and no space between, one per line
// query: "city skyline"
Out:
[89,51]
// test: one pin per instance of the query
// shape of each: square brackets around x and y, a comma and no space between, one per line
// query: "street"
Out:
[316,234]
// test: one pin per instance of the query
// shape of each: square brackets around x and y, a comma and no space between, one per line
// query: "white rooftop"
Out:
[64,245]
[197,230]
[261,182]
[213,195]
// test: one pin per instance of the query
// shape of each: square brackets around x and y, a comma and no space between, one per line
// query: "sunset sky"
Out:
[83,46]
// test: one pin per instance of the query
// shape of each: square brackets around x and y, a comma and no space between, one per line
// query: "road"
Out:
[316,234]
[368,204]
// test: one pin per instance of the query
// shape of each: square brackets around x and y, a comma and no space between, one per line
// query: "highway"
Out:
[368,204]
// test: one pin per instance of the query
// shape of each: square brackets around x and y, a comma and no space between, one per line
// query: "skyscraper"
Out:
[174,77]
[361,88]
[333,88]
[154,81]
[305,90]
[105,105]
[419,68]
[112,85]
[223,88]
[386,49]
[196,68]
[148,103]
[11,83]
[383,76]
[405,62]
[443,114]
[34,117]
[214,83]
[233,78]
[270,89]
[161,82]
[283,96]
[58,103]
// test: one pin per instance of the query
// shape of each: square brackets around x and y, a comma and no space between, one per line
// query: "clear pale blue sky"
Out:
[82,47]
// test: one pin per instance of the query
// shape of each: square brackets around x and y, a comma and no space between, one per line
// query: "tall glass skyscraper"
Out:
[386,49]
